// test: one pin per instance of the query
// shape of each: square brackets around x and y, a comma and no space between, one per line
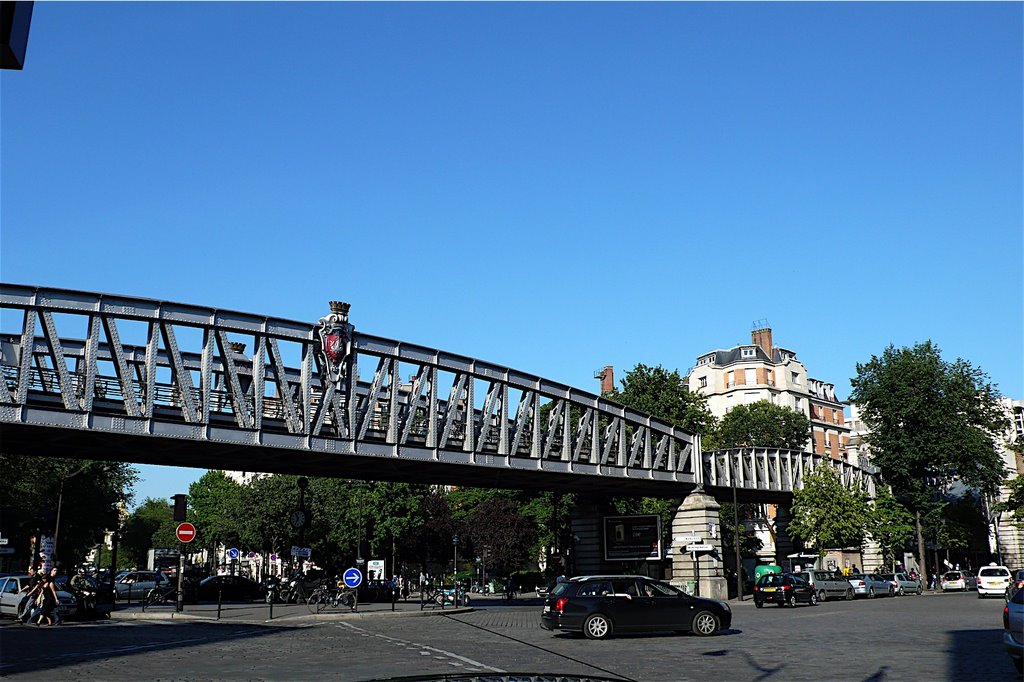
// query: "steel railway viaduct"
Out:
[90,375]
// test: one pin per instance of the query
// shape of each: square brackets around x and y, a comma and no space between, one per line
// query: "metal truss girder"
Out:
[607,439]
[67,390]
[240,406]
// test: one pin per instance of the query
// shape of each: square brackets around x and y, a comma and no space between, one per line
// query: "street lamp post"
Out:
[455,569]
[60,503]
[736,529]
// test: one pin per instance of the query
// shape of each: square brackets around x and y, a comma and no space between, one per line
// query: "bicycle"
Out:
[160,596]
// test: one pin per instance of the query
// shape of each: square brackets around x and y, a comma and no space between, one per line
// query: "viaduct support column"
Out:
[585,543]
[692,518]
[783,543]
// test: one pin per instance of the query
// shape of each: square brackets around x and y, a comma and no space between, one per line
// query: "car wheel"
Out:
[920,590]
[980,595]
[871,593]
[597,626]
[849,595]
[758,604]
[705,623]
[791,601]
[822,596]
[902,593]
[813,601]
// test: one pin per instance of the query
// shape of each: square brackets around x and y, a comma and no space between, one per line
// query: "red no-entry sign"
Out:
[186,532]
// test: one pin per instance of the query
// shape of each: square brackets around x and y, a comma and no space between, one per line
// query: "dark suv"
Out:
[599,605]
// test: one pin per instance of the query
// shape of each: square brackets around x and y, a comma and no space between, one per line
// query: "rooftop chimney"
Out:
[607,377]
[762,336]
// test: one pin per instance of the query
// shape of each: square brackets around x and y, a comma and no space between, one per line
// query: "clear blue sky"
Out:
[554,187]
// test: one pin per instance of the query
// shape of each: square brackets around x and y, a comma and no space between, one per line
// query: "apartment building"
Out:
[762,371]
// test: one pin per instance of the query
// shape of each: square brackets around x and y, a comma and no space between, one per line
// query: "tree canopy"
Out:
[828,514]
[761,425]
[93,492]
[931,422]
[662,393]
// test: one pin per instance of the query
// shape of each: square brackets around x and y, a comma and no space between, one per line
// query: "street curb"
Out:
[298,618]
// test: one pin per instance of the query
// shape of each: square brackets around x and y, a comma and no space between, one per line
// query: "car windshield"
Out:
[770,580]
[887,576]
[952,575]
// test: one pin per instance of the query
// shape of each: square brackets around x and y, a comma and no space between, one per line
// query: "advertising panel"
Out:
[631,538]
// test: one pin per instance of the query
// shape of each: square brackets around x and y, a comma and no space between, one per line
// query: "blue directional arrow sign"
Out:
[233,553]
[353,578]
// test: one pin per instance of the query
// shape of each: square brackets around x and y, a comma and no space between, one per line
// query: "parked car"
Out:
[955,581]
[543,590]
[829,584]
[1013,629]
[10,597]
[137,584]
[993,580]
[231,588]
[598,606]
[871,585]
[784,589]
[907,585]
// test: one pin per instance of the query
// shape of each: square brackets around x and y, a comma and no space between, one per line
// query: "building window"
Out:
[795,379]
[703,382]
[797,405]
[748,352]
[750,376]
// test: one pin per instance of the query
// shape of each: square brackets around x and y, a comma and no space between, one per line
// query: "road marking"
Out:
[428,650]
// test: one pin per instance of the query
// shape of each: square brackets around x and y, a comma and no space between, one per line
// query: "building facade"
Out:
[762,371]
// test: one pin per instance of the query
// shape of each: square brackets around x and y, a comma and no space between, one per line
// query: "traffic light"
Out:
[180,506]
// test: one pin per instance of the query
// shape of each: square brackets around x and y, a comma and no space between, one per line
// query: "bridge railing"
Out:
[776,469]
[148,364]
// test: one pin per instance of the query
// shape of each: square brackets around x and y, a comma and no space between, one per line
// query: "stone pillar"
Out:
[871,556]
[783,543]
[585,543]
[692,518]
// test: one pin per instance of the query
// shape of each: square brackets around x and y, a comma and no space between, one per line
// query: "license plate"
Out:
[769,589]
[547,609]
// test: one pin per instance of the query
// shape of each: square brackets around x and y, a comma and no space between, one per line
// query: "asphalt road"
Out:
[934,637]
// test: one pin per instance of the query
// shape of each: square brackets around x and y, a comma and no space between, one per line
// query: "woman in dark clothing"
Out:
[49,601]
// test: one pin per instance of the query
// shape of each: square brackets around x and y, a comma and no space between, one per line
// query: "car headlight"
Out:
[724,605]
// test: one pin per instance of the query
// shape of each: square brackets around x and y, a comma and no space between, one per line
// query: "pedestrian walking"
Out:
[46,602]
[31,589]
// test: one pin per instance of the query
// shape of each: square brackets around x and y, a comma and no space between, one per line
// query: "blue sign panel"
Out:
[353,578]
[233,553]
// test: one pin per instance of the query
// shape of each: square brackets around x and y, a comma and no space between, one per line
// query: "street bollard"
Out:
[220,593]
[421,597]
[394,598]
[271,606]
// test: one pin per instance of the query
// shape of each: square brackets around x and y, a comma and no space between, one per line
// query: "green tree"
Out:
[890,524]
[214,507]
[150,525]
[828,514]
[761,425]
[1014,503]
[661,393]
[930,422]
[93,491]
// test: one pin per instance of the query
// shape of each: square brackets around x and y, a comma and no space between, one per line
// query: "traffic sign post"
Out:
[185,532]
[353,578]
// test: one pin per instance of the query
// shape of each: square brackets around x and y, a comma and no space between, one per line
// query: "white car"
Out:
[993,580]
[10,596]
[955,580]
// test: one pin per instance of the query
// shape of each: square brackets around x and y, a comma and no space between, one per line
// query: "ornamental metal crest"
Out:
[334,341]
